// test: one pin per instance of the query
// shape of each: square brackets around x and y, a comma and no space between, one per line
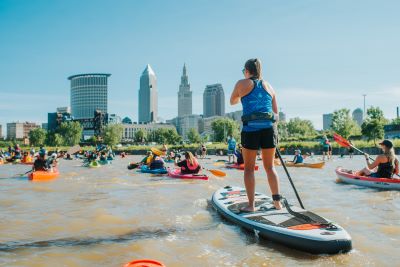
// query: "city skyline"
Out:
[327,67]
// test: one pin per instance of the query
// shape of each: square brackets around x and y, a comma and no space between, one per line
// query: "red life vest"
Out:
[194,166]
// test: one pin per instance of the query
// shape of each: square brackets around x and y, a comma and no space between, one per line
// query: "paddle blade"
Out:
[73,150]
[219,163]
[218,173]
[282,149]
[341,141]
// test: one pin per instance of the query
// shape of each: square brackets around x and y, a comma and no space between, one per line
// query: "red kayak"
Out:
[239,166]
[349,177]
[176,173]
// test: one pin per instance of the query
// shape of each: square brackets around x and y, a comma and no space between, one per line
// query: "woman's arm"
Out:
[396,166]
[235,97]
[373,164]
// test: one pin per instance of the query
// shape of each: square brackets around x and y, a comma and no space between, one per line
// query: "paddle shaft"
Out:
[290,179]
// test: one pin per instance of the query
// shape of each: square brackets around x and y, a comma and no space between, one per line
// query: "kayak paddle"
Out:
[218,173]
[346,143]
[290,178]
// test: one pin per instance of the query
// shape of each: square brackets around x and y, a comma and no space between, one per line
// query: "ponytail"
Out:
[254,67]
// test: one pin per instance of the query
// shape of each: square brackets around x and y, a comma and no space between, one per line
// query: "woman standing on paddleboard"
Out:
[259,128]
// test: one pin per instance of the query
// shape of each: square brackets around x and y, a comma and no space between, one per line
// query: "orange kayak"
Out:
[43,175]
[316,165]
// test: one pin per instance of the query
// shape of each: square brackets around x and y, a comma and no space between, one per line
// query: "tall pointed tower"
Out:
[148,103]
[184,95]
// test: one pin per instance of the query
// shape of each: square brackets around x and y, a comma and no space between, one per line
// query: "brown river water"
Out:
[111,215]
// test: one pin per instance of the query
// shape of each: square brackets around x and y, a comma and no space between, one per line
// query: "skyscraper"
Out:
[213,101]
[184,96]
[88,94]
[327,121]
[358,116]
[148,96]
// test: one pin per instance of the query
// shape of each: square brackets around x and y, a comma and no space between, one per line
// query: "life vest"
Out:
[194,166]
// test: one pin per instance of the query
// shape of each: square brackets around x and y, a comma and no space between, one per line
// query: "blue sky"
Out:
[318,55]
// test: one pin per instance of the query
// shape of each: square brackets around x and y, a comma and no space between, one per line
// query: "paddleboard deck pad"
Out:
[291,226]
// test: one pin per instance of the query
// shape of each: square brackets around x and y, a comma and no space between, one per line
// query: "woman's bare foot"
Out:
[248,209]
[277,205]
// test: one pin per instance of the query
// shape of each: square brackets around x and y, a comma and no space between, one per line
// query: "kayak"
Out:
[43,175]
[382,183]
[104,162]
[144,263]
[176,173]
[221,160]
[94,164]
[239,167]
[291,226]
[316,165]
[146,169]
[169,161]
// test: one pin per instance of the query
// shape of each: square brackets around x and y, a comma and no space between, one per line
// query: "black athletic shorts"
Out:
[265,138]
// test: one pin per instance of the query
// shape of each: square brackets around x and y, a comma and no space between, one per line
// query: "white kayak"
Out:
[293,227]
[382,183]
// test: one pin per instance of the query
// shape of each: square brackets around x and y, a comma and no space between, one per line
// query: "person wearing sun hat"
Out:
[385,165]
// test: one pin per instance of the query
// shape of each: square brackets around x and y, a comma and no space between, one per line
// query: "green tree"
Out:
[112,134]
[373,125]
[396,121]
[166,136]
[71,132]
[54,139]
[343,123]
[140,135]
[300,128]
[224,127]
[193,136]
[37,136]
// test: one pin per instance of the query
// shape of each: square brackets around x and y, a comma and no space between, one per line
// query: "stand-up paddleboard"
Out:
[291,226]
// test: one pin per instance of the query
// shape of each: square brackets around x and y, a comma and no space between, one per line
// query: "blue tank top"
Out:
[258,100]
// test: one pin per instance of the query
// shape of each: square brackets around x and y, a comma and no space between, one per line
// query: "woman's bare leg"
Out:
[268,156]
[249,157]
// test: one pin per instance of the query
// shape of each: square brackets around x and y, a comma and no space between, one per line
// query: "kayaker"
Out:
[32,151]
[26,158]
[156,163]
[385,165]
[147,160]
[231,148]
[189,165]
[103,156]
[40,164]
[239,155]
[259,130]
[17,152]
[164,149]
[298,158]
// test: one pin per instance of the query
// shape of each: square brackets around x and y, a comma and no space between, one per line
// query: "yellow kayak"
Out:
[316,165]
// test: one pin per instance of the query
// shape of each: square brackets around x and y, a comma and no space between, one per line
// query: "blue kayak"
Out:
[146,169]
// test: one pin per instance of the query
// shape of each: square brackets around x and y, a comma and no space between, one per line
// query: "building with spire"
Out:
[148,96]
[184,95]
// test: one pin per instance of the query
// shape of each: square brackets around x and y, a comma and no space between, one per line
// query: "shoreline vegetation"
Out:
[287,147]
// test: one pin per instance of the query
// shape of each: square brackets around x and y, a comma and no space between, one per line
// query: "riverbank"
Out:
[287,148]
